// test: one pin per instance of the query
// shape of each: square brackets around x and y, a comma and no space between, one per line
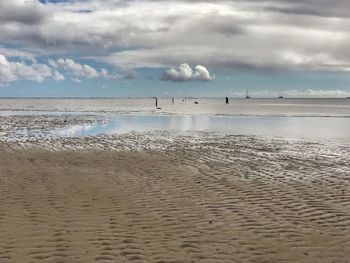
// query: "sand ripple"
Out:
[162,198]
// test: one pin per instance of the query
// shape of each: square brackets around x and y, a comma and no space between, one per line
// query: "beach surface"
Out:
[161,198]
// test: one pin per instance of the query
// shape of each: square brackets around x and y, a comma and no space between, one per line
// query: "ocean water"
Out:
[302,128]
[237,107]
[306,119]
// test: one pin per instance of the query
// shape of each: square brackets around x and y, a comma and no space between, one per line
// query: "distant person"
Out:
[156,102]
[227,102]
[172,100]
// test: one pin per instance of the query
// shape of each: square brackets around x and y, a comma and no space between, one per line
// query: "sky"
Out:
[144,48]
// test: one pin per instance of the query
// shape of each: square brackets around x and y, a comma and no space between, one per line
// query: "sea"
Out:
[302,119]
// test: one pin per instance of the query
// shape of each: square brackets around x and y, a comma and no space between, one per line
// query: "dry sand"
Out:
[236,199]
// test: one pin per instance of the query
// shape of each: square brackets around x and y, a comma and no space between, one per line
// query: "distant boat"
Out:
[280,97]
[246,94]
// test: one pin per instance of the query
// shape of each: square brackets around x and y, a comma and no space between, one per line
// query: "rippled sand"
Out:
[162,198]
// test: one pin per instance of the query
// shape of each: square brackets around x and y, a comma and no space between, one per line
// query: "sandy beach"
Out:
[174,131]
[189,199]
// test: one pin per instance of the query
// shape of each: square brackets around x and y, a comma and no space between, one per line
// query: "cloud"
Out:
[13,53]
[31,70]
[22,12]
[58,76]
[77,70]
[302,93]
[254,34]
[185,73]
[201,73]
[316,93]
[129,74]
[13,71]
[322,8]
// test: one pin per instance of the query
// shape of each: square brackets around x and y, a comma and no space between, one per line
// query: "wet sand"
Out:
[187,199]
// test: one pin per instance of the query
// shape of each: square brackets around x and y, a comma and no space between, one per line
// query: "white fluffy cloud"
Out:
[11,71]
[31,70]
[58,76]
[77,70]
[13,53]
[185,73]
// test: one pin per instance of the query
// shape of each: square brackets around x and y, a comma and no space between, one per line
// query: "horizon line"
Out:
[165,97]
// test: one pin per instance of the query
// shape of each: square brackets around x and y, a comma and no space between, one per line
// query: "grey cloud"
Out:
[129,74]
[324,8]
[246,34]
[247,59]
[28,13]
